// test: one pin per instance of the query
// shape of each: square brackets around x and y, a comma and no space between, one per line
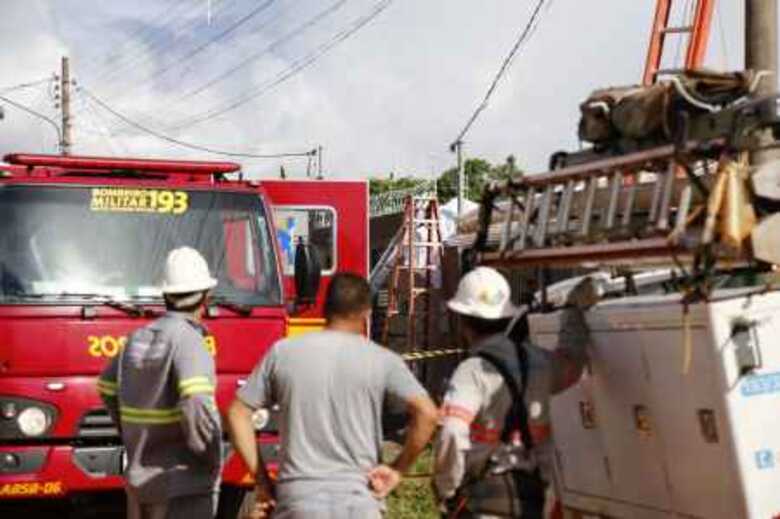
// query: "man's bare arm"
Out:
[423,419]
[242,436]
[423,416]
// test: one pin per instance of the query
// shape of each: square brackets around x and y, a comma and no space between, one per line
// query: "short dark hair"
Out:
[348,293]
[485,327]
[172,306]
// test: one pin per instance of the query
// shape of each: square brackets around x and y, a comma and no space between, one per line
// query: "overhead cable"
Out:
[524,35]
[21,86]
[156,46]
[297,66]
[275,44]
[35,113]
[211,41]
[190,145]
[145,36]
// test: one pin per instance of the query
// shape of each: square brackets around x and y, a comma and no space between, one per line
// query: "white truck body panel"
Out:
[640,438]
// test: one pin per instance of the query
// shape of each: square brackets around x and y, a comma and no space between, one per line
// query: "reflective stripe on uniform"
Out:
[106,387]
[482,434]
[150,416]
[456,411]
[195,385]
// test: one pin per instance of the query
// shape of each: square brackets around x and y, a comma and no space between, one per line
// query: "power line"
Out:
[524,35]
[254,57]
[98,124]
[161,45]
[200,48]
[291,71]
[189,145]
[37,114]
[21,86]
[188,57]
[149,38]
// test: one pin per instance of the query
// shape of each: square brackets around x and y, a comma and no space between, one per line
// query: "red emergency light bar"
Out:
[112,163]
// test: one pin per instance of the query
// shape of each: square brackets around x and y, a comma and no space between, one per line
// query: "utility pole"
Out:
[319,163]
[457,147]
[761,54]
[66,142]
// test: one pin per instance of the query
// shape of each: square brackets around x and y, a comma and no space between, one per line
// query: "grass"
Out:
[413,499]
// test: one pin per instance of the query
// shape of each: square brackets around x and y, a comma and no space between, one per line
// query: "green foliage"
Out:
[478,173]
[413,499]
[506,170]
[383,185]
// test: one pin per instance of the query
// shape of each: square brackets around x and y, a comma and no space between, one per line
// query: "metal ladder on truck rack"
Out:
[586,215]
[698,31]
[412,279]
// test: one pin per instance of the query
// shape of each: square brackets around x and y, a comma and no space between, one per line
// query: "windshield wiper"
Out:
[110,301]
[239,308]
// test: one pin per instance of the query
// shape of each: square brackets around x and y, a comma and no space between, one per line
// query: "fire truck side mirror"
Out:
[308,270]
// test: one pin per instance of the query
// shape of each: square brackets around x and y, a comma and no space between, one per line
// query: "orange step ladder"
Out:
[417,259]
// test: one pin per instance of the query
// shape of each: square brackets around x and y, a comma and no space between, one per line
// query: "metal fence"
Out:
[392,202]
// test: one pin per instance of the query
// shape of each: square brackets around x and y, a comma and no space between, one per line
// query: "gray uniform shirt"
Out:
[330,387]
[160,390]
[476,404]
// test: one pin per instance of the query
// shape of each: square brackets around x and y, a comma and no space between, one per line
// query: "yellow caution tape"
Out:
[430,354]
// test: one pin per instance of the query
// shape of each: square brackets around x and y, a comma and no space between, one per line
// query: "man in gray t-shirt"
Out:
[330,387]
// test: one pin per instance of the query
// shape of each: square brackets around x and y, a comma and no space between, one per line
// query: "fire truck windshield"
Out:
[72,243]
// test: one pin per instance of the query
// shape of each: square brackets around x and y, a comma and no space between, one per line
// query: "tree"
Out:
[383,185]
[506,170]
[476,172]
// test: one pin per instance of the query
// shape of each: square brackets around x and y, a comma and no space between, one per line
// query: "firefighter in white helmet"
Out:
[491,452]
[160,390]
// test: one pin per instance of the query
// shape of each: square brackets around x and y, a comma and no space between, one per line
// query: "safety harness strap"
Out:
[517,417]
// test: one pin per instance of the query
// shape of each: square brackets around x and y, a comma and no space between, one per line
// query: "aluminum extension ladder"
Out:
[588,214]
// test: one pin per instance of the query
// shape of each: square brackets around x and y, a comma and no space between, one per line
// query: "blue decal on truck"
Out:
[765,459]
[761,384]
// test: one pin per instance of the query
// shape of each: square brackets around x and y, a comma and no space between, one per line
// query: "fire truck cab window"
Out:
[77,243]
[312,225]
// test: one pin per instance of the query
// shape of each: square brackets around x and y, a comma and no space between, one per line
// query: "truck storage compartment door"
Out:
[579,455]
[688,410]
[607,423]
[623,413]
[330,215]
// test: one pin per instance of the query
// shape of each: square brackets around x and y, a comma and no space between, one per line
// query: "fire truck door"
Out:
[332,216]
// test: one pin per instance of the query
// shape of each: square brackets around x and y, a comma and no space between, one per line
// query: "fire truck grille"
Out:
[97,424]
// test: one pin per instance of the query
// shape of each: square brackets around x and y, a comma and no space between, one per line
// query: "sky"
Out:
[380,94]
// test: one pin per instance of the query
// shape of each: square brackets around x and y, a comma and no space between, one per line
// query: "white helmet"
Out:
[483,293]
[186,271]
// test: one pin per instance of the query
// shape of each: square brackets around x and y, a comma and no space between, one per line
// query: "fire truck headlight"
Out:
[33,421]
[260,419]
[25,418]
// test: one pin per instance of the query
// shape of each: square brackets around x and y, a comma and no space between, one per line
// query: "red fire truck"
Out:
[82,244]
